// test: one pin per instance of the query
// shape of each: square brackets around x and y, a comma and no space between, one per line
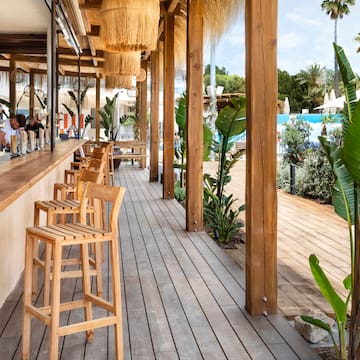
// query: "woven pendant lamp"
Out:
[118,81]
[122,63]
[130,25]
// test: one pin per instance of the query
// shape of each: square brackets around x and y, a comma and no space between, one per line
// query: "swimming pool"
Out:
[310,118]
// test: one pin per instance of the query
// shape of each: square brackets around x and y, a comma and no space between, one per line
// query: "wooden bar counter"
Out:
[24,180]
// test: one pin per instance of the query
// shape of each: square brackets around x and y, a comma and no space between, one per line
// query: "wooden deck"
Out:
[305,227]
[183,298]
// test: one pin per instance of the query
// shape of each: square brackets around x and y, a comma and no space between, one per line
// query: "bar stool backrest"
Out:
[103,193]
[87,176]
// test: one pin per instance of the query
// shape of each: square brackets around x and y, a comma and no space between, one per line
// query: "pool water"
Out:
[313,119]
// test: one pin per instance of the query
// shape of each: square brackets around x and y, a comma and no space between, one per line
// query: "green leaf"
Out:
[348,282]
[180,113]
[351,147]
[69,110]
[338,305]
[317,322]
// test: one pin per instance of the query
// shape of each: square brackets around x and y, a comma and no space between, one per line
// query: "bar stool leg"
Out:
[114,256]
[55,303]
[47,272]
[28,273]
[86,288]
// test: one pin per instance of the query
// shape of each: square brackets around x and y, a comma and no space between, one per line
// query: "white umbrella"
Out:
[336,103]
[286,106]
[326,100]
[332,109]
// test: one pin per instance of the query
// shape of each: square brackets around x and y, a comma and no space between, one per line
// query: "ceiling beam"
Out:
[90,4]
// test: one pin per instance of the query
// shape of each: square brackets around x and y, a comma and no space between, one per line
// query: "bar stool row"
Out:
[75,218]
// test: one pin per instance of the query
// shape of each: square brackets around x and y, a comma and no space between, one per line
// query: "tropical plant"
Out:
[313,78]
[295,138]
[345,162]
[218,207]
[78,102]
[336,9]
[180,149]
[107,114]
[8,105]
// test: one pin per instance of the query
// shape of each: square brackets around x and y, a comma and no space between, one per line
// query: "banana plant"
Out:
[180,149]
[218,212]
[345,162]
[107,114]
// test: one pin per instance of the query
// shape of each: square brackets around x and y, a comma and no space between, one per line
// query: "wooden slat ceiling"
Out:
[84,15]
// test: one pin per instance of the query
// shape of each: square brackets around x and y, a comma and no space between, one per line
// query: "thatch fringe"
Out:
[219,15]
[122,63]
[118,82]
[130,25]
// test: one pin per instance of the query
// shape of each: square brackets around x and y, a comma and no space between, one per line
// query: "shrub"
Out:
[318,178]
[179,192]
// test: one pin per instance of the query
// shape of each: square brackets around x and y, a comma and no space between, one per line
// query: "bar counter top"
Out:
[21,173]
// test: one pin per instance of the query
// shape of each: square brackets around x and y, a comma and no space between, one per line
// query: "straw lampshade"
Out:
[130,25]
[219,15]
[118,81]
[122,63]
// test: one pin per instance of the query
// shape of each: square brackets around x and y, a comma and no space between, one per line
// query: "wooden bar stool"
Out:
[56,210]
[67,189]
[58,236]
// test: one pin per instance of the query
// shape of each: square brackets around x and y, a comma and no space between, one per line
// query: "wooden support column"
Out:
[169,108]
[32,94]
[261,197]
[154,116]
[12,84]
[143,111]
[97,108]
[194,115]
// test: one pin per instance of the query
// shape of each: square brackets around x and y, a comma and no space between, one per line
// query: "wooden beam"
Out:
[169,106]
[62,61]
[261,197]
[143,111]
[23,43]
[154,116]
[85,53]
[97,107]
[90,5]
[31,95]
[12,84]
[194,115]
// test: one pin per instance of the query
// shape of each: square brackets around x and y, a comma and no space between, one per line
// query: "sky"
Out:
[305,36]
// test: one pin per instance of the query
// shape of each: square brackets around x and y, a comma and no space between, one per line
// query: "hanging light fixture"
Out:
[130,25]
[118,81]
[122,63]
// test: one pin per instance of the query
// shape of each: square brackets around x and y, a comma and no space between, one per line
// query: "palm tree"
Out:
[336,9]
[313,79]
[358,40]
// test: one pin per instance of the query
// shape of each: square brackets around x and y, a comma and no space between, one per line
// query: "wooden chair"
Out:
[56,210]
[58,236]
[67,189]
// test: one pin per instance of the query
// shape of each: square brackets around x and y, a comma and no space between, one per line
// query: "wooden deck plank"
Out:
[167,271]
[264,328]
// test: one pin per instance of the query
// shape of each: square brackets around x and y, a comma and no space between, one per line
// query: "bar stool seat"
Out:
[57,236]
[56,211]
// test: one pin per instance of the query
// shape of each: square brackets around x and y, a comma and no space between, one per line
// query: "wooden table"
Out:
[131,150]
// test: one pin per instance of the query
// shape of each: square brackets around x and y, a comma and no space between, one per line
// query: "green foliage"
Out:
[88,119]
[345,164]
[218,212]
[296,139]
[317,177]
[220,71]
[337,303]
[180,149]
[107,114]
[179,192]
[8,105]
[231,83]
